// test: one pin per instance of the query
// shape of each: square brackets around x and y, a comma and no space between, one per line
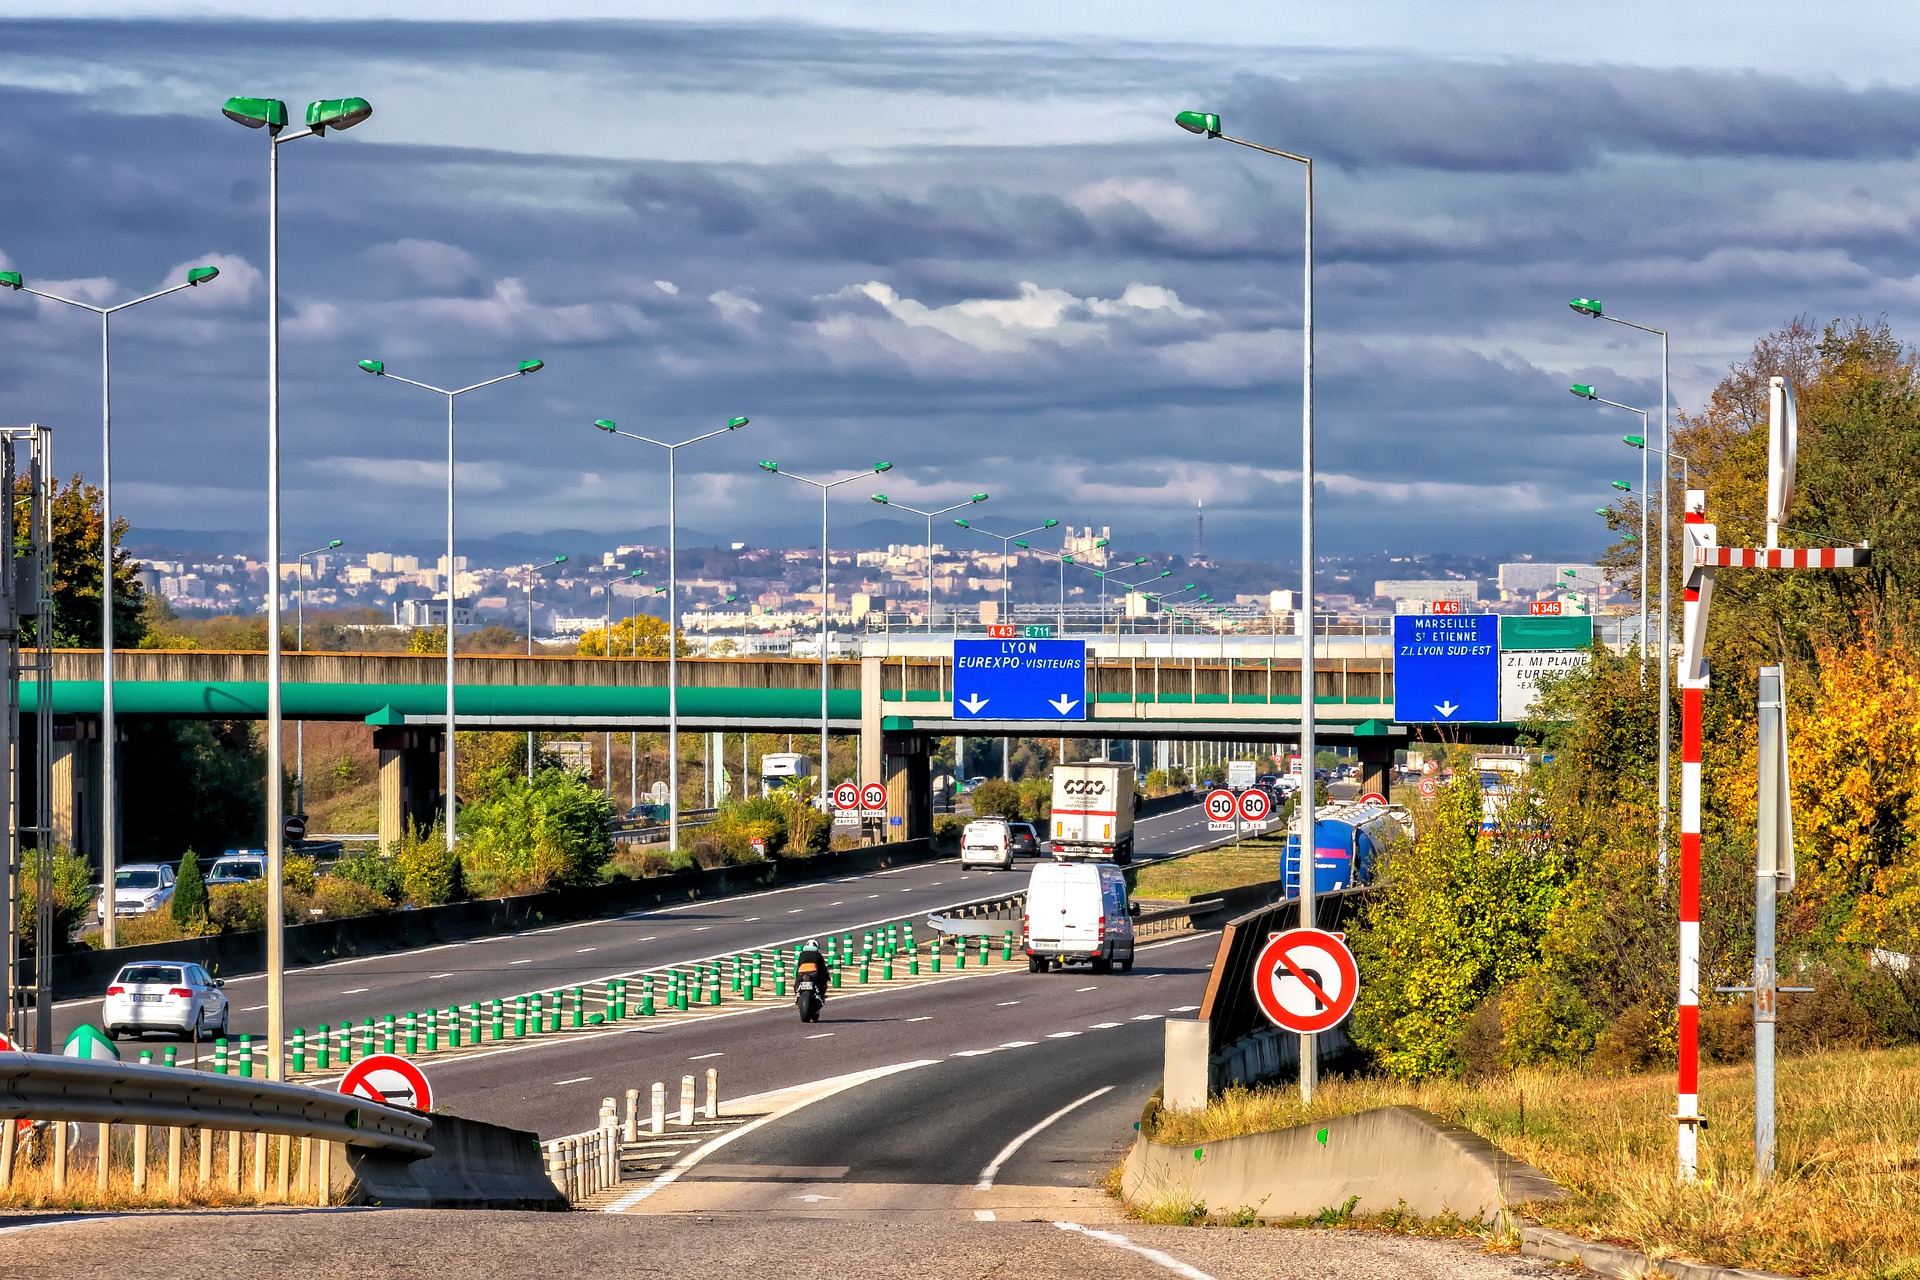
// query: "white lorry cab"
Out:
[1078,912]
[1093,804]
[987,842]
[780,769]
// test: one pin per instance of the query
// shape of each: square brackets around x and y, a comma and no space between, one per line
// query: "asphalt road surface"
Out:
[566,955]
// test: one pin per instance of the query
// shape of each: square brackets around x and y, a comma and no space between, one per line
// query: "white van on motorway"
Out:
[1078,911]
[987,842]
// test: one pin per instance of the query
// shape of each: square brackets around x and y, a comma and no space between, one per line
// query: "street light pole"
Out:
[1586,392]
[1208,125]
[1006,574]
[109,730]
[526,580]
[271,114]
[300,646]
[826,488]
[885,501]
[378,369]
[673,607]
[1592,307]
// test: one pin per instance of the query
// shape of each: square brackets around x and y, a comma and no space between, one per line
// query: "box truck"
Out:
[1093,804]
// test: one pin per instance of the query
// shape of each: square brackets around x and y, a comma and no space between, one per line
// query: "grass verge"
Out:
[1210,870]
[1843,1203]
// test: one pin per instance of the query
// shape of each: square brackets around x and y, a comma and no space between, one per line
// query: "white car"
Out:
[164,996]
[138,889]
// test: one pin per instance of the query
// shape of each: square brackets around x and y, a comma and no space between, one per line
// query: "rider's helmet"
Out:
[813,944]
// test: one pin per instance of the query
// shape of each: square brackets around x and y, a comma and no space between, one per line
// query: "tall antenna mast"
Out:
[1199,529]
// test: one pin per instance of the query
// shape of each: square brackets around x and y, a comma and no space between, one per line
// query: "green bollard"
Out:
[519,1017]
[556,1002]
[498,1011]
[886,969]
[959,953]
[718,993]
[535,1019]
[346,1042]
[1006,945]
[646,996]
[299,1049]
[983,951]
[410,1022]
[386,1033]
[452,1018]
[432,1024]
[220,1055]
[939,945]
[863,971]
[913,964]
[746,993]
[836,977]
[579,1007]
[246,1057]
[146,1057]
[366,1038]
[171,1057]
[322,1044]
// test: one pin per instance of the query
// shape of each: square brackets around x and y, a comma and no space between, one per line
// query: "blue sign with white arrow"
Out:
[1446,668]
[1019,679]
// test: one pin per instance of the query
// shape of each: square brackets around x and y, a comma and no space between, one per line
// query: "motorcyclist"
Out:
[812,962]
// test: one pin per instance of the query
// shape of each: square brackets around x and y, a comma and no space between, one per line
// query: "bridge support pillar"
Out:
[76,767]
[907,760]
[1376,768]
[410,769]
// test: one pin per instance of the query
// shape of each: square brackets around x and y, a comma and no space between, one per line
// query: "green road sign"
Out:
[1037,631]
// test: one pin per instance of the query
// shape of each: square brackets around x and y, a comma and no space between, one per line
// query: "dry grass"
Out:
[32,1185]
[1210,871]
[1845,1201]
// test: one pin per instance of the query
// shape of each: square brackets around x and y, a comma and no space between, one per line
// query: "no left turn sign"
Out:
[1305,980]
[389,1078]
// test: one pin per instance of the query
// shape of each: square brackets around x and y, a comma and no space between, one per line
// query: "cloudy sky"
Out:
[965,239]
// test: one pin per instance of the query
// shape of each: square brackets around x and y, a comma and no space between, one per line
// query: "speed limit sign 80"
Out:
[1254,805]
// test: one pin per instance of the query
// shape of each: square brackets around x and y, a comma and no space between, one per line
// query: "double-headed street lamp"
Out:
[826,488]
[300,646]
[1065,559]
[1586,392]
[526,580]
[673,606]
[1207,125]
[885,501]
[1006,574]
[378,369]
[271,114]
[1591,307]
[109,732]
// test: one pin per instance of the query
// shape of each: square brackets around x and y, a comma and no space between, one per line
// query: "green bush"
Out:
[428,872]
[73,895]
[1036,800]
[737,825]
[189,905]
[299,874]
[525,837]
[997,799]
[947,828]
[236,908]
[340,899]
[370,869]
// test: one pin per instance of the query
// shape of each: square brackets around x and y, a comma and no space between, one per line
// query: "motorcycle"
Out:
[809,996]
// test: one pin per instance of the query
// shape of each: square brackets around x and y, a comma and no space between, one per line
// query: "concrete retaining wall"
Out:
[82,974]
[473,1166]
[1386,1157]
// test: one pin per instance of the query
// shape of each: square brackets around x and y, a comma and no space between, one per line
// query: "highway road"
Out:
[566,955]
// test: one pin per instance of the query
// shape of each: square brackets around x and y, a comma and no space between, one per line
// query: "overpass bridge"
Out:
[896,703]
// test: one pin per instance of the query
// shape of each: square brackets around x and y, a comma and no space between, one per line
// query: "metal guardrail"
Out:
[981,919]
[36,1086]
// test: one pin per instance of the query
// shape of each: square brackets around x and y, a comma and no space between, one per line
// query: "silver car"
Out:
[138,889]
[164,996]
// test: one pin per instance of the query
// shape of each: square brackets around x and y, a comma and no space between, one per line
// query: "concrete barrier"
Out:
[474,1165]
[1381,1159]
[85,974]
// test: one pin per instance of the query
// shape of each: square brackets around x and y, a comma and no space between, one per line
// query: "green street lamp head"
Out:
[559,559]
[336,542]
[606,424]
[1584,391]
[1140,560]
[880,467]
[336,113]
[257,113]
[1568,573]
[1049,524]
[1587,306]
[1602,512]
[531,366]
[1100,542]
[978,497]
[200,275]
[1629,537]
[963,524]
[1099,573]
[734,424]
[1638,442]
[1205,123]
[1023,544]
[1622,486]
[880,498]
[1190,586]
[770,467]
[1066,559]
[11,280]
[637,573]
[378,368]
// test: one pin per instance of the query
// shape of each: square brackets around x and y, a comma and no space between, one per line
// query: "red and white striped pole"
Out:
[1693,680]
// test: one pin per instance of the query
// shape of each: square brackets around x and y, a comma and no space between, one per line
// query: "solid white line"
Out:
[820,1035]
[1062,1035]
[1119,1241]
[576,1080]
[992,1170]
[702,1057]
[432,976]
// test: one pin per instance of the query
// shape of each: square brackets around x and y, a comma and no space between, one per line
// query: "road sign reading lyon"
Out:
[1305,980]
[389,1078]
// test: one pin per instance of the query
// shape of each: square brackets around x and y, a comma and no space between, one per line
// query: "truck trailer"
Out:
[1093,804]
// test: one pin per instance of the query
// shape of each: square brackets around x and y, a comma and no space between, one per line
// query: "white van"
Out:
[1078,911]
[987,842]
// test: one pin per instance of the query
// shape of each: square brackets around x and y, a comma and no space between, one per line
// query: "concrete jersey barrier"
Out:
[474,1165]
[1383,1159]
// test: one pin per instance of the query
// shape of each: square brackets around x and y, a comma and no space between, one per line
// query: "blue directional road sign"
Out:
[1019,679]
[1446,667]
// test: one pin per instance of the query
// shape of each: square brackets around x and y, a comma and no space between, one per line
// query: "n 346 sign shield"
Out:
[1305,980]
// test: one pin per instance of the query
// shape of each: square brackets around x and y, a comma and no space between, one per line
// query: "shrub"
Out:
[709,853]
[947,828]
[235,908]
[524,837]
[996,799]
[737,825]
[340,899]
[189,905]
[427,871]
[367,867]
[298,873]
[73,895]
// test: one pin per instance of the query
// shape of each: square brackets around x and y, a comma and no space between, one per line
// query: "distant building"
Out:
[1424,591]
[1526,579]
[430,613]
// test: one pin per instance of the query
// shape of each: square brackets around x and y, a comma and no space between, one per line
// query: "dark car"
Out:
[1024,839]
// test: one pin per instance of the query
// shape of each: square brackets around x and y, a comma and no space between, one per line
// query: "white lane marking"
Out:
[1147,1017]
[983,1215]
[822,1035]
[903,891]
[1017,1044]
[839,904]
[936,884]
[1183,1008]
[702,1057]
[827,1088]
[751,920]
[1103,1026]
[576,1080]
[925,1017]
[432,976]
[796,911]
[583,950]
[992,1170]
[1004,1003]
[972,1053]
[527,961]
[357,991]
[1061,1035]
[253,1008]
[702,928]
[873,895]
[1154,1256]
[1078,990]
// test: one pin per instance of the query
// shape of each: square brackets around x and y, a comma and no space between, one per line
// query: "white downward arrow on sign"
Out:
[1064,704]
[973,702]
[1446,708]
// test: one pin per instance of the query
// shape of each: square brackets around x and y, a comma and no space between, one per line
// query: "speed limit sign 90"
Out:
[1221,805]
[873,799]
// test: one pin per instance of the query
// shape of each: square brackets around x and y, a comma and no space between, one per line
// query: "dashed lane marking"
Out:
[820,1035]
[357,991]
[432,976]
[576,1080]
[1092,988]
[925,1017]
[1183,1008]
[1004,1003]
[1061,1035]
[580,951]
[1018,1044]
[1148,1017]
[702,1057]
[1103,1026]
[527,961]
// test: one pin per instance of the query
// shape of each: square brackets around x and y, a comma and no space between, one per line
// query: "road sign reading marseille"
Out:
[1020,679]
[1446,668]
